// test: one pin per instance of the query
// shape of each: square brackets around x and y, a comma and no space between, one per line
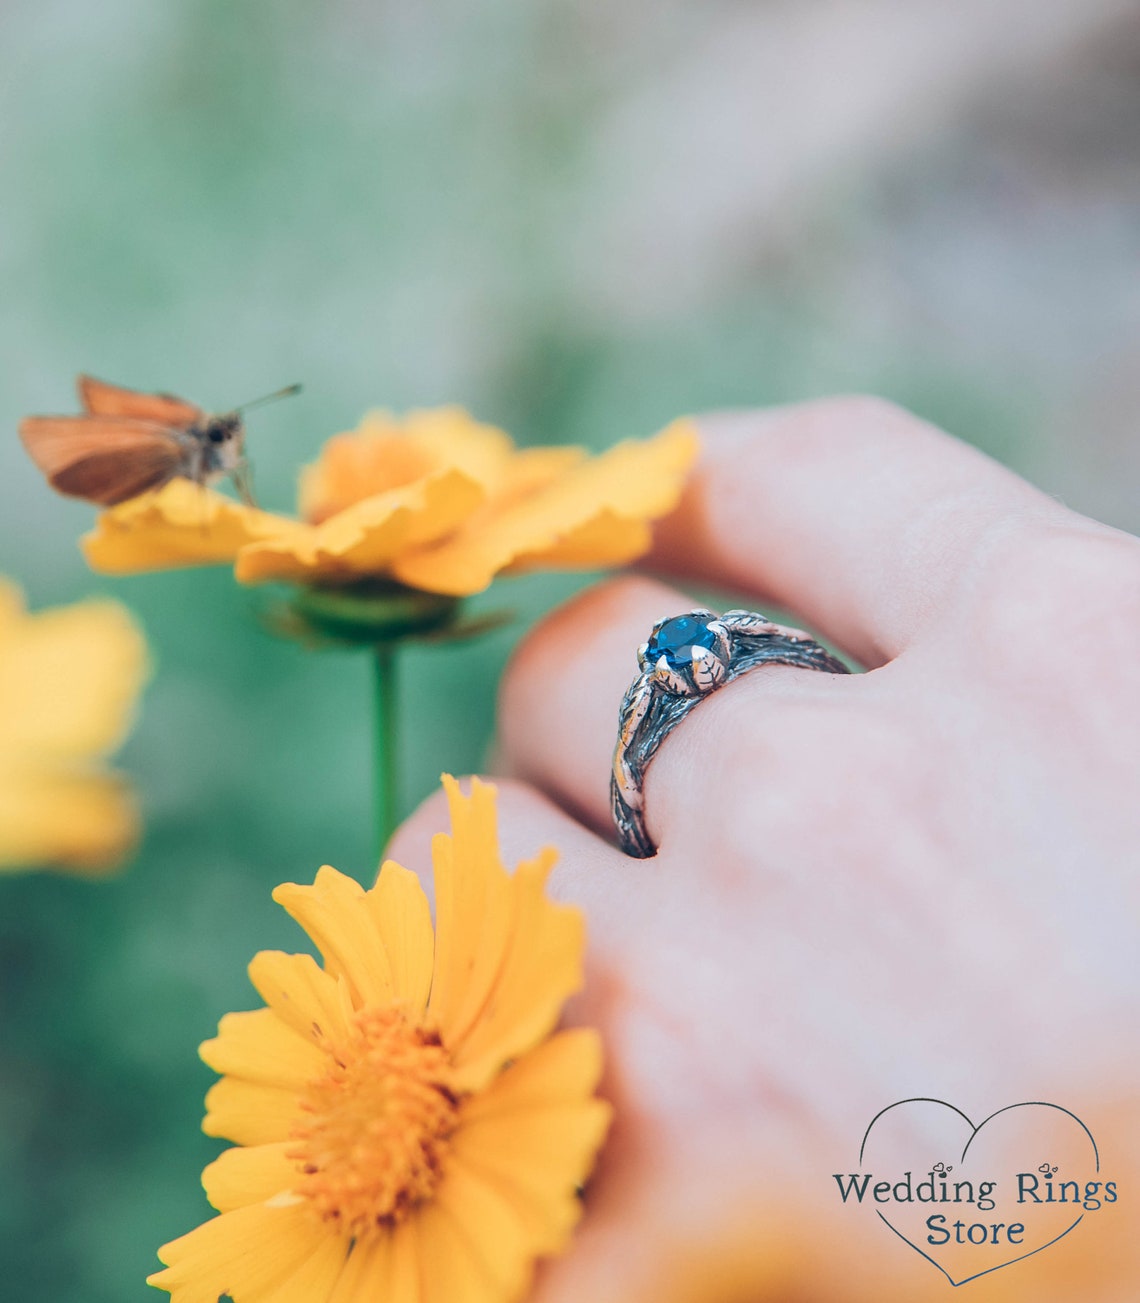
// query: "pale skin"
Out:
[920,880]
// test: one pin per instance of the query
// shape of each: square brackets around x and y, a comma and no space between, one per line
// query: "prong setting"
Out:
[686,657]
[689,653]
[723,646]
[708,670]
[665,676]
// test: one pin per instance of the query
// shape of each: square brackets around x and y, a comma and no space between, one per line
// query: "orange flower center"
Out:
[378,1125]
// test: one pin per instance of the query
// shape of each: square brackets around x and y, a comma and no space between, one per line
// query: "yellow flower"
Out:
[434,501]
[804,1252]
[762,1255]
[69,679]
[408,1129]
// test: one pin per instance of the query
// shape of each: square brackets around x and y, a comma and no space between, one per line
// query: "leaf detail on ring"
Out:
[708,669]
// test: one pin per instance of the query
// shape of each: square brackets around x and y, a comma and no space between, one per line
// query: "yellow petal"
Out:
[453,1268]
[532,469]
[180,525]
[386,1270]
[402,917]
[606,539]
[259,1047]
[488,1223]
[594,515]
[302,995]
[562,1070]
[535,1131]
[69,678]
[507,957]
[389,452]
[261,1254]
[540,969]
[249,1175]
[86,823]
[473,909]
[363,539]
[639,482]
[249,1113]
[333,911]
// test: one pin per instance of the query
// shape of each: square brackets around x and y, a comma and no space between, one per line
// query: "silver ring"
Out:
[685,658]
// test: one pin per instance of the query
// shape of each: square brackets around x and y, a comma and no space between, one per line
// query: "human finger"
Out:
[561,692]
[852,512]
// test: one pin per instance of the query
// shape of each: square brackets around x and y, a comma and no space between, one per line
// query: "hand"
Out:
[918,880]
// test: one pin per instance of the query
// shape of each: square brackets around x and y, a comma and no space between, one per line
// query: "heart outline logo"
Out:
[974,1130]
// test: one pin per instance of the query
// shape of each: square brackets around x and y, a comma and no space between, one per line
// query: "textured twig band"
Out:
[687,657]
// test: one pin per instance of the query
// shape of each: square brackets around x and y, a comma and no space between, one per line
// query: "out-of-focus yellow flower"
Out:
[407,1127]
[434,501]
[69,680]
[758,1254]
[800,1255]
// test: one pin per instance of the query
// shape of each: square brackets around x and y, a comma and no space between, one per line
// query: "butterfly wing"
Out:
[101,399]
[101,458]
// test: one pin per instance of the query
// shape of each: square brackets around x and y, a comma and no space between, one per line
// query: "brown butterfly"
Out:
[126,443]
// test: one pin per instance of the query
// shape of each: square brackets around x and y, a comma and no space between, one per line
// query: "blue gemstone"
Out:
[676,639]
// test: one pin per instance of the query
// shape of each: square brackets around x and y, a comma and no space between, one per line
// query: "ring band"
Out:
[687,657]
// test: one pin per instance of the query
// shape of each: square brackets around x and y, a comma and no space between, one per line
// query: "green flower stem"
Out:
[379,615]
[385,771]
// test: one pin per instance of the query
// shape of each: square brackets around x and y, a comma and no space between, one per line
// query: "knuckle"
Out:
[1049,595]
[1062,576]
[806,435]
[864,411]
[828,423]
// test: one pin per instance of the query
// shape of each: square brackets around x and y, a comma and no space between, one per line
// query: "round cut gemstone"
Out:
[676,639]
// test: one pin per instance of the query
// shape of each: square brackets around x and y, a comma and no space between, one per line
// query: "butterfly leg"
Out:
[243,483]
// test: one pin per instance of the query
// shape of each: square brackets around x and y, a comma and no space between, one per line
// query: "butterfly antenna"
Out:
[287,392]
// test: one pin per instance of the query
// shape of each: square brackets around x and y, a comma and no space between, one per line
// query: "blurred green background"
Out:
[579,220]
